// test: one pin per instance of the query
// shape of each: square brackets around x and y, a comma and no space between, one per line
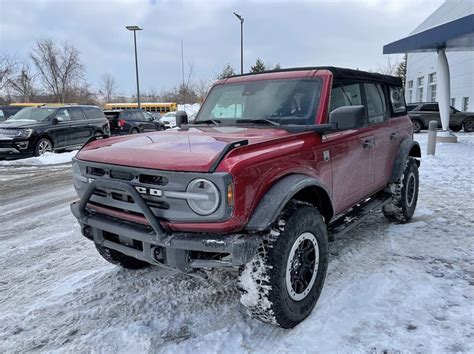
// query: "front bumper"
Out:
[153,244]
[15,147]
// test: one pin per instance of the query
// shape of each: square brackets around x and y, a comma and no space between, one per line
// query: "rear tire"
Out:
[456,129]
[469,125]
[282,283]
[402,205]
[134,131]
[417,126]
[43,146]
[120,259]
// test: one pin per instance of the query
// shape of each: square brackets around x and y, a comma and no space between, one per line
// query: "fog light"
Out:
[87,231]
[22,145]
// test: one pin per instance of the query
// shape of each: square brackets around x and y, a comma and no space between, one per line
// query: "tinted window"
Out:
[430,108]
[2,115]
[127,115]
[76,114]
[345,95]
[397,100]
[375,103]
[138,116]
[93,113]
[411,107]
[63,115]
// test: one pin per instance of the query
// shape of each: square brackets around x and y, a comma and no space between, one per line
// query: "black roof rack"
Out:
[339,73]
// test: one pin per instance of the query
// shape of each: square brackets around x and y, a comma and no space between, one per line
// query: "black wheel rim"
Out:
[416,126]
[302,266]
[469,125]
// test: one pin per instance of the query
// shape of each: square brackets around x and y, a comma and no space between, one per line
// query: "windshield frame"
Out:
[26,110]
[309,118]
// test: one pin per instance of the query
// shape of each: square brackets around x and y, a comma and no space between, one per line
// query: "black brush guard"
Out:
[159,246]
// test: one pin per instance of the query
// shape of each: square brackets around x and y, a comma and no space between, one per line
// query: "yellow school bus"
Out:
[148,106]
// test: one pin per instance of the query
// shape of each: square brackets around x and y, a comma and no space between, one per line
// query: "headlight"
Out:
[203,196]
[26,133]
[78,179]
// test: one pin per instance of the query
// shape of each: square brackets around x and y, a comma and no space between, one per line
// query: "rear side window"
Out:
[376,108]
[93,113]
[76,114]
[127,115]
[397,100]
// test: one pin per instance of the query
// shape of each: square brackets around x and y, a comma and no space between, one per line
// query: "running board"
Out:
[356,215]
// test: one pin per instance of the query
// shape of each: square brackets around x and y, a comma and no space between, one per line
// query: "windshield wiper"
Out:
[257,121]
[207,121]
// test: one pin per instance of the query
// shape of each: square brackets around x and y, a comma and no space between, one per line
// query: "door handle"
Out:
[394,136]
[368,144]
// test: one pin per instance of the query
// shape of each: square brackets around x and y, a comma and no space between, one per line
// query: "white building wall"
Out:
[461,64]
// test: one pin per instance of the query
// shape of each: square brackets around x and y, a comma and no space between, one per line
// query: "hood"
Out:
[192,150]
[12,124]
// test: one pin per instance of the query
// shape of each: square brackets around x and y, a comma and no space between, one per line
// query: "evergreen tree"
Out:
[402,69]
[228,71]
[258,67]
[277,67]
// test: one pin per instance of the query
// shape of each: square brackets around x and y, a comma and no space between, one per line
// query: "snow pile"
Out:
[390,288]
[48,158]
[189,108]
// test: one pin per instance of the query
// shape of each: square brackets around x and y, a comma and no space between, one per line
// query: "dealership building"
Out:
[422,80]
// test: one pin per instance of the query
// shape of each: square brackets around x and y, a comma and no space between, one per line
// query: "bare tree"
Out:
[23,84]
[201,88]
[389,68]
[59,66]
[108,86]
[8,67]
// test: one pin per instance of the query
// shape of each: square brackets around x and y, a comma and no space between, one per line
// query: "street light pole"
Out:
[241,42]
[135,29]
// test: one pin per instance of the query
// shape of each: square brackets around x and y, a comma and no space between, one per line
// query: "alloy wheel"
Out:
[44,147]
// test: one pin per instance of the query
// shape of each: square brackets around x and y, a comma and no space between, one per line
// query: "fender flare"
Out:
[408,148]
[279,194]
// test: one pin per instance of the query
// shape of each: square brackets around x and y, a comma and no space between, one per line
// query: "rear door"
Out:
[351,152]
[146,122]
[82,129]
[429,112]
[384,130]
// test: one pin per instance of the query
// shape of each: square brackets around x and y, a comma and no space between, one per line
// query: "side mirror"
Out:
[181,118]
[55,120]
[348,117]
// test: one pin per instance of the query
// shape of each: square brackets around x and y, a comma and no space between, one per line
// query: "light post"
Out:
[241,42]
[135,29]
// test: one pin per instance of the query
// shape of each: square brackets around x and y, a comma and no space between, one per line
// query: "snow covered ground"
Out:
[390,288]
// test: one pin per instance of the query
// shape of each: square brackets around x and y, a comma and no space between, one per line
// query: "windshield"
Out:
[33,113]
[291,101]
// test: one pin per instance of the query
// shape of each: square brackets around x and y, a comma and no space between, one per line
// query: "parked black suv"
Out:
[7,111]
[132,121]
[422,113]
[36,130]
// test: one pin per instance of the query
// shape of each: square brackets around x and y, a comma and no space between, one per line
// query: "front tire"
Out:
[117,258]
[134,131]
[402,205]
[416,126]
[43,146]
[282,283]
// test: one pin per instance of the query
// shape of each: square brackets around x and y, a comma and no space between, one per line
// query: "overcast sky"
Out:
[292,33]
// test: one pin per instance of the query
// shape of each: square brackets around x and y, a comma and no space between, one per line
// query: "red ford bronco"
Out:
[274,165]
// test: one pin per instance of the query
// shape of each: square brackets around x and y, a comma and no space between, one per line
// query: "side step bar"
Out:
[356,215]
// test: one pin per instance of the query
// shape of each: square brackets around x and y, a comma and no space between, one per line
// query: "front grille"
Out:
[150,179]
[124,176]
[11,133]
[95,171]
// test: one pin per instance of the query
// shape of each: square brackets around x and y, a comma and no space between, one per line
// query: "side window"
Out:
[63,115]
[127,115]
[397,99]
[430,108]
[375,103]
[140,116]
[345,95]
[2,115]
[76,114]
[93,113]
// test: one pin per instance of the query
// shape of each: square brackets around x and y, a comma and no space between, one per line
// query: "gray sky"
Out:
[292,33]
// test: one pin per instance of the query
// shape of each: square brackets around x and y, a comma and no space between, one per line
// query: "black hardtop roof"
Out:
[341,73]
